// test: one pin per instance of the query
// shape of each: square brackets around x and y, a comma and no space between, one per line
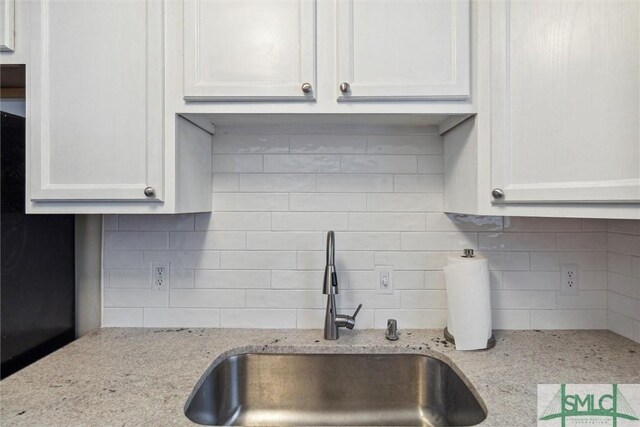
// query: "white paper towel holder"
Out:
[491,342]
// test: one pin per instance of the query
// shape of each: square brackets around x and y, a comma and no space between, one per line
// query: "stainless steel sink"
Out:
[333,389]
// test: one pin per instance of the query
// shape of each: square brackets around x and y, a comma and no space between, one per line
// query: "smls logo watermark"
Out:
[588,404]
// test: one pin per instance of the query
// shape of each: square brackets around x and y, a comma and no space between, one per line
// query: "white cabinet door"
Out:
[95,100]
[408,49]
[249,50]
[565,106]
[7,25]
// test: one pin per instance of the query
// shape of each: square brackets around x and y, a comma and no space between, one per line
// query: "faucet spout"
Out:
[332,320]
[330,284]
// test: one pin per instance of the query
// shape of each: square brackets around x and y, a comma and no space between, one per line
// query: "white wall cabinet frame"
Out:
[570,87]
[7,25]
[40,141]
[440,72]
[247,57]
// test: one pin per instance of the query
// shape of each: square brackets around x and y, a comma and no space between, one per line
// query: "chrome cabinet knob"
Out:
[497,193]
[306,87]
[150,192]
[345,87]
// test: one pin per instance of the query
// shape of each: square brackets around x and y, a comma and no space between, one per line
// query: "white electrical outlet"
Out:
[384,279]
[159,276]
[569,279]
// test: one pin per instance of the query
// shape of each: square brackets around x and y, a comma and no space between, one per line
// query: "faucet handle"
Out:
[346,321]
[356,312]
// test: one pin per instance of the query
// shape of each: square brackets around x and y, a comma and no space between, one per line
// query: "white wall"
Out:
[623,265]
[257,260]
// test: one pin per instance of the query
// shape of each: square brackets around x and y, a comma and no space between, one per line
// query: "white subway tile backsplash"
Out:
[430,164]
[412,318]
[257,260]
[386,221]
[298,279]
[440,221]
[519,299]
[225,182]
[426,183]
[378,164]
[410,280]
[423,299]
[623,243]
[583,300]
[327,202]
[412,260]
[439,241]
[129,279]
[517,241]
[181,279]
[128,240]
[330,144]
[277,182]
[181,317]
[310,221]
[625,226]
[135,298]
[264,202]
[618,263]
[276,298]
[569,319]
[205,240]
[185,260]
[109,222]
[510,319]
[531,280]
[122,259]
[550,261]
[306,163]
[542,224]
[205,298]
[182,222]
[226,143]
[252,318]
[582,241]
[624,305]
[352,260]
[285,240]
[405,144]
[223,163]
[233,221]
[233,279]
[361,241]
[355,183]
[409,202]
[620,324]
[624,285]
[122,317]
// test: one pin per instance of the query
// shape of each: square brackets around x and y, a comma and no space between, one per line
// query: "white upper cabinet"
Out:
[565,101]
[96,101]
[249,50]
[409,49]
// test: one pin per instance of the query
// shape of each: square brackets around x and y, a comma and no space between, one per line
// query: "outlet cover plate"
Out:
[569,279]
[160,276]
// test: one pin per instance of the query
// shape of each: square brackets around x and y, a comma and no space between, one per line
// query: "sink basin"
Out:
[333,389]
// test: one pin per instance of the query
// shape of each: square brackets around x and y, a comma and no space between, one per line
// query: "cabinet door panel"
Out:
[566,101]
[254,49]
[415,49]
[7,25]
[96,100]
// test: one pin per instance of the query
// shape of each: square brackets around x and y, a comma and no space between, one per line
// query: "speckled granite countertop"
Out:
[125,376]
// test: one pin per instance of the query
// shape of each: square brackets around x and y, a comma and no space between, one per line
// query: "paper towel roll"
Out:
[468,301]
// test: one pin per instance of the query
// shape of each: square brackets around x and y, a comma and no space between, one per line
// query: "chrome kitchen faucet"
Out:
[332,320]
